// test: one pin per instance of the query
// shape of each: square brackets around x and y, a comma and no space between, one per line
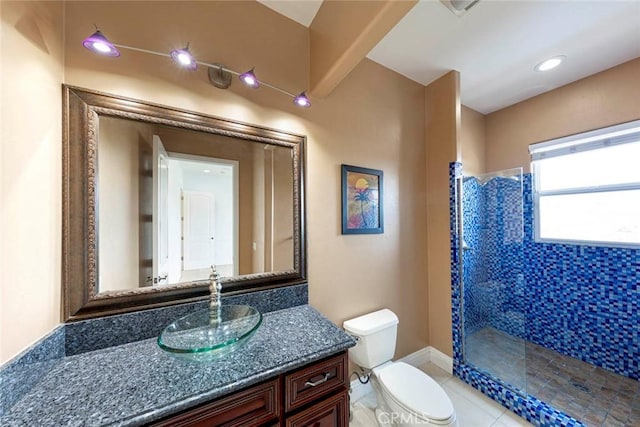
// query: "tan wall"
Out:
[119,207]
[282,210]
[604,99]
[30,172]
[259,213]
[442,109]
[472,141]
[381,128]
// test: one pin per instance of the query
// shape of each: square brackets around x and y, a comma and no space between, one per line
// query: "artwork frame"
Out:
[362,200]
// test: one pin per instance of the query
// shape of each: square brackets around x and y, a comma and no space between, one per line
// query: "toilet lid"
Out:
[416,391]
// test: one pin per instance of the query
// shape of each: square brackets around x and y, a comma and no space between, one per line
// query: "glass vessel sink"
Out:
[199,337]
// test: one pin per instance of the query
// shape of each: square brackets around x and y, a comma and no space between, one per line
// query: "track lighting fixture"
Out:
[249,78]
[98,43]
[219,75]
[302,100]
[184,58]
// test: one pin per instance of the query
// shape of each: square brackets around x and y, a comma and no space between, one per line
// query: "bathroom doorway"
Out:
[204,225]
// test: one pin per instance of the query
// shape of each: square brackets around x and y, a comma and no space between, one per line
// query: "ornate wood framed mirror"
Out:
[154,195]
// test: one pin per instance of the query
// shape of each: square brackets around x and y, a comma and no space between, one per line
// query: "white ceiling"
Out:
[496,44]
[301,11]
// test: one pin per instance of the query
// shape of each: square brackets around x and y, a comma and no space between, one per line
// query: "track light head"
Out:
[302,100]
[183,58]
[98,43]
[250,79]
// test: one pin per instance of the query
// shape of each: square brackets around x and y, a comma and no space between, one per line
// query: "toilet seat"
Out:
[416,392]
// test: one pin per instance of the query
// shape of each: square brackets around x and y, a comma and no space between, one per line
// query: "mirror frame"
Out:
[81,111]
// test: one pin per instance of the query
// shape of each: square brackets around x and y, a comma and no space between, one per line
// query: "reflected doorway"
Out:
[202,229]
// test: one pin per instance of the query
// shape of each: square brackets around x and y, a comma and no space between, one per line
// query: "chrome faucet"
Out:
[215,287]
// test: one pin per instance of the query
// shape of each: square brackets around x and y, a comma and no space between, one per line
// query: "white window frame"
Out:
[613,135]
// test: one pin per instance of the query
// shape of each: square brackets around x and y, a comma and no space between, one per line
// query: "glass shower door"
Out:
[493,294]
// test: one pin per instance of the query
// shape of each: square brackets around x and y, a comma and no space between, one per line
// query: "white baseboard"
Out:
[441,360]
[418,358]
[429,354]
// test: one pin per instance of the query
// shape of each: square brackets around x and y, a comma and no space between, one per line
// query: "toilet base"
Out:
[390,414]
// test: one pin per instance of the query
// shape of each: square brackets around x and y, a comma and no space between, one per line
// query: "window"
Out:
[587,187]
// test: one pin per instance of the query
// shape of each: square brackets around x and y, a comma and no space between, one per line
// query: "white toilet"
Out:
[406,395]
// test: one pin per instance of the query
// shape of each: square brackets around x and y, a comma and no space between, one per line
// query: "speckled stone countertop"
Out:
[135,383]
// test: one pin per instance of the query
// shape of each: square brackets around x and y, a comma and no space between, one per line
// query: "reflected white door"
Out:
[160,212]
[199,236]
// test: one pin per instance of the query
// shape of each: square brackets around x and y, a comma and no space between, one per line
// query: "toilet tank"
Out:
[376,334]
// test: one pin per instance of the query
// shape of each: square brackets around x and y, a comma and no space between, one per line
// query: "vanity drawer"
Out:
[254,406]
[312,382]
[331,412]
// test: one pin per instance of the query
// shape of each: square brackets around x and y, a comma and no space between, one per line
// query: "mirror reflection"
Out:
[173,202]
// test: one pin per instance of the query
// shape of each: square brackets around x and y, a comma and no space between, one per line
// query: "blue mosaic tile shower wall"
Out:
[529,407]
[477,307]
[582,301]
[493,275]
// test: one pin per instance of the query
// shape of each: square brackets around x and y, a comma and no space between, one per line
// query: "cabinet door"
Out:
[331,412]
[315,381]
[254,406]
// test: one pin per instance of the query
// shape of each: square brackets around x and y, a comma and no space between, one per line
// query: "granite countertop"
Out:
[135,383]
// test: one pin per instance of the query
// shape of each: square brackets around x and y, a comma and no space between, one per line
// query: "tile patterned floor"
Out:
[593,395]
[473,408]
[500,354]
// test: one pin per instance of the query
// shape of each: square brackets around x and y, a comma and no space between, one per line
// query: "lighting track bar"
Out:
[99,44]
[206,64]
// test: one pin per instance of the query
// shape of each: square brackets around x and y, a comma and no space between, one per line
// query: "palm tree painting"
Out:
[362,201]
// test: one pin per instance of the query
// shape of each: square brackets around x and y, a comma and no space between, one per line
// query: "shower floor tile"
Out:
[593,395]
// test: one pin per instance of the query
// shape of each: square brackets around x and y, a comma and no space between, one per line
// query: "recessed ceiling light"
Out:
[550,63]
[206,171]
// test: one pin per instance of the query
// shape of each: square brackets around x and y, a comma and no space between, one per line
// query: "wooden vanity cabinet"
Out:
[315,395]
[322,389]
[330,412]
[256,405]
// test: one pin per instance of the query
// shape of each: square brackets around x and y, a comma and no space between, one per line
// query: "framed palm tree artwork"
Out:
[361,200]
